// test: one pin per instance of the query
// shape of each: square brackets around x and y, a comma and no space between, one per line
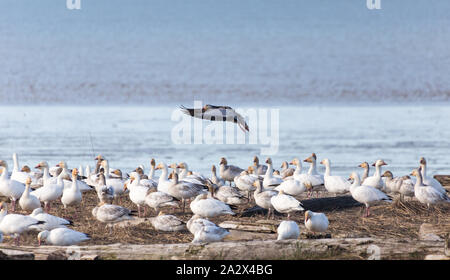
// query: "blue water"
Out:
[262,52]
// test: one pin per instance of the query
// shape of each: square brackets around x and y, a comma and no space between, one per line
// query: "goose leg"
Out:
[139,211]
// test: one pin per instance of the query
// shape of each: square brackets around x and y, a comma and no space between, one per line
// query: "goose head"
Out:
[173,166]
[152,162]
[423,161]
[269,161]
[379,162]
[182,165]
[276,172]
[250,170]
[74,173]
[353,176]
[387,174]
[416,172]
[285,165]
[62,164]
[99,158]
[364,165]
[117,172]
[41,165]
[295,161]
[325,161]
[255,161]
[28,181]
[308,215]
[160,166]
[25,169]
[223,161]
[42,236]
[3,163]
[311,159]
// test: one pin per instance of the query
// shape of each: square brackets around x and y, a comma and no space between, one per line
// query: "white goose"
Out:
[259,168]
[72,195]
[313,176]
[209,233]
[190,176]
[105,193]
[263,197]
[216,180]
[209,207]
[427,194]
[430,181]
[111,214]
[366,167]
[183,190]
[228,172]
[286,171]
[51,222]
[138,192]
[27,201]
[158,200]
[50,191]
[288,230]
[293,187]
[366,195]
[316,222]
[16,174]
[398,185]
[165,222]
[284,203]
[196,222]
[163,183]
[245,182]
[271,181]
[10,188]
[334,184]
[62,237]
[227,194]
[375,180]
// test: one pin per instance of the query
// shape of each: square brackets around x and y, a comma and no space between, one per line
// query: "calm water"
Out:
[157,52]
[129,136]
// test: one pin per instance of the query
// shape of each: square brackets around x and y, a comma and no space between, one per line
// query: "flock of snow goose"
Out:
[207,198]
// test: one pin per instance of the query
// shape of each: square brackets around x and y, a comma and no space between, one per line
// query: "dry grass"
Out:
[396,220]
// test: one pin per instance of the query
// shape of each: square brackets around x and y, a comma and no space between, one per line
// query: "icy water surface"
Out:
[129,136]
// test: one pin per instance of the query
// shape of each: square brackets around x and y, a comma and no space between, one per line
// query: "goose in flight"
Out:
[217,113]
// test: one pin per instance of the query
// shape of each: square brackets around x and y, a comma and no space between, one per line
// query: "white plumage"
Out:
[288,230]
[62,237]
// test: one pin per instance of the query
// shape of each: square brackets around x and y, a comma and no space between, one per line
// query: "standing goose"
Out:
[334,184]
[62,237]
[286,171]
[270,181]
[297,172]
[263,197]
[313,178]
[144,180]
[163,183]
[138,192]
[398,185]
[158,200]
[366,167]
[8,187]
[51,191]
[190,176]
[209,207]
[104,193]
[288,230]
[183,190]
[217,113]
[72,195]
[316,222]
[366,195]
[226,194]
[17,174]
[51,222]
[228,172]
[375,180]
[427,194]
[284,203]
[245,182]
[216,180]
[165,222]
[68,179]
[151,173]
[27,201]
[430,181]
[117,183]
[260,169]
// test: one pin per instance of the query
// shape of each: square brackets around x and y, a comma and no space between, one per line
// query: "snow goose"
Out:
[216,180]
[228,172]
[366,195]
[271,181]
[216,113]
[50,191]
[111,214]
[46,177]
[189,176]
[316,222]
[427,194]
[260,169]
[117,183]
[17,174]
[288,230]
[375,180]
[334,184]
[151,173]
[35,176]
[72,195]
[398,185]
[27,201]
[163,183]
[430,181]
[196,222]
[297,172]
[293,187]
[105,193]
[245,182]
[62,237]
[51,222]
[313,176]
[158,200]
[366,167]
[16,224]
[144,180]
[209,207]
[183,190]
[284,203]
[165,222]
[209,233]
[263,197]
[137,192]
[229,195]
[68,178]
[10,188]
[286,171]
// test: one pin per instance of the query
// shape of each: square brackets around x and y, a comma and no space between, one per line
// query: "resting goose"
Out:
[271,181]
[288,230]
[316,222]
[293,187]
[260,169]
[158,200]
[196,222]
[263,197]
[366,195]
[62,237]
[8,187]
[286,171]
[398,185]
[210,233]
[209,207]
[51,222]
[17,174]
[284,203]
[165,222]
[226,194]
[216,113]
[427,194]
[228,172]
[111,214]
[27,201]
[216,180]
[430,181]
[15,224]
[183,190]
[72,195]
[137,192]
[375,180]
[334,184]
[366,167]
